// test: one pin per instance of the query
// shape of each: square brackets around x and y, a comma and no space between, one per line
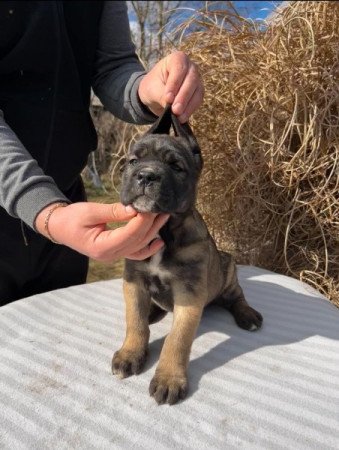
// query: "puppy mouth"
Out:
[145,204]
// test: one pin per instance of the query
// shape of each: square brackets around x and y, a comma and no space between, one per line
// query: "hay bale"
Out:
[269,130]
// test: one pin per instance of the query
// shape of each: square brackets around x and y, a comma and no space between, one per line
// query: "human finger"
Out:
[192,105]
[148,251]
[158,223]
[176,68]
[103,213]
[143,228]
[191,84]
[134,236]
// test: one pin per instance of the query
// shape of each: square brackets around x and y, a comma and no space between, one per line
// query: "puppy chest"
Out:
[160,291]
[158,282]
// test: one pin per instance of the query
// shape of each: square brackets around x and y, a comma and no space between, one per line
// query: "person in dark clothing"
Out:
[51,55]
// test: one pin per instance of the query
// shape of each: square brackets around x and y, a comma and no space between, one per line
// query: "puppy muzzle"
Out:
[147,177]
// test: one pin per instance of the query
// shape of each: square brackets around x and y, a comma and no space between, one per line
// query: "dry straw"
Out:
[269,130]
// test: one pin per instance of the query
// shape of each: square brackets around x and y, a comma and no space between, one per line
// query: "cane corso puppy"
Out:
[161,176]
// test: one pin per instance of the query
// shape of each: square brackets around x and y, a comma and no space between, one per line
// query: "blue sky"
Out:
[251,9]
[255,9]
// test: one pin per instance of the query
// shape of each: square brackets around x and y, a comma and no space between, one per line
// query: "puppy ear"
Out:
[163,123]
[185,131]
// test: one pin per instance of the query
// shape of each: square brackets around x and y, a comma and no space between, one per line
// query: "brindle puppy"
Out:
[161,176]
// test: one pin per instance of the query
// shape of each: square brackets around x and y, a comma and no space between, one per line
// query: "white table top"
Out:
[272,389]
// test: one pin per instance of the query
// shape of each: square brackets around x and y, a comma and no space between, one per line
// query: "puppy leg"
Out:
[232,298]
[244,315]
[130,359]
[169,383]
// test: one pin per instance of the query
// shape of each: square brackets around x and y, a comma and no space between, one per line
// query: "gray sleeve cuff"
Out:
[141,114]
[35,199]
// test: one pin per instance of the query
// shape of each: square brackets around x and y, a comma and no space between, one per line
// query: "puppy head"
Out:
[162,171]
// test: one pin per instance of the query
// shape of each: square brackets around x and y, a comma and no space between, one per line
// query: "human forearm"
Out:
[118,71]
[24,189]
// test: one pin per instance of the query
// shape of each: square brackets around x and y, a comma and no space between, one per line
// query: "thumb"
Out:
[121,212]
[114,212]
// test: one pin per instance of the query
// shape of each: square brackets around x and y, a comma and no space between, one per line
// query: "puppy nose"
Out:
[147,177]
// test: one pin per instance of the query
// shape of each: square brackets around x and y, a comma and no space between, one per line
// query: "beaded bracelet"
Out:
[58,205]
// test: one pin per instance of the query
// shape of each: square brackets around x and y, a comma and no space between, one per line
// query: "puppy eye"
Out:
[177,167]
[133,162]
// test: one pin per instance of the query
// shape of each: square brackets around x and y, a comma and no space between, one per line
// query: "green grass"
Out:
[97,270]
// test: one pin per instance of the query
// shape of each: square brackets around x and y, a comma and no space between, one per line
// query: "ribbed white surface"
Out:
[277,388]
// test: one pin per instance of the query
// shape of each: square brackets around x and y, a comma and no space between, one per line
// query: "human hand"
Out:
[174,80]
[83,227]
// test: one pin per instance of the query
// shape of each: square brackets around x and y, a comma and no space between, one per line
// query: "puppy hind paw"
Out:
[127,363]
[247,318]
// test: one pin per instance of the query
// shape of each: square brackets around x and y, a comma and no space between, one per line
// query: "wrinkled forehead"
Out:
[160,147]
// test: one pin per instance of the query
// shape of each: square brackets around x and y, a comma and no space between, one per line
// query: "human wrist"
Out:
[144,102]
[34,199]
[42,222]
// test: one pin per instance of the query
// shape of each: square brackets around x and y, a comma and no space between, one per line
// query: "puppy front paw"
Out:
[127,362]
[168,388]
